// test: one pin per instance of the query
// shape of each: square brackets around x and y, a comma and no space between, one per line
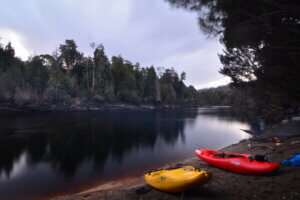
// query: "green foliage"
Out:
[168,93]
[69,54]
[68,77]
[7,56]
[150,84]
[261,41]
[58,85]
[102,77]
[219,96]
[37,74]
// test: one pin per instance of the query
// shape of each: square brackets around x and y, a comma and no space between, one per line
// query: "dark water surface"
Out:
[51,153]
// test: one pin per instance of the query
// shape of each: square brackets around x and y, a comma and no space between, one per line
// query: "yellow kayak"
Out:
[177,180]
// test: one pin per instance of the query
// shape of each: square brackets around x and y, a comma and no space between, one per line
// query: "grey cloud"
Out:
[148,32]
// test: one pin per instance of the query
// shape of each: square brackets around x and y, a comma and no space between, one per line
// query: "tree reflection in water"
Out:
[67,140]
[42,154]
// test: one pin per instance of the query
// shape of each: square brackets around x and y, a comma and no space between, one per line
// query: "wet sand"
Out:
[283,184]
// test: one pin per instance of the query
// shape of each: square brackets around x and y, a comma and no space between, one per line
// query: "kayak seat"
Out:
[223,155]
[260,158]
[188,169]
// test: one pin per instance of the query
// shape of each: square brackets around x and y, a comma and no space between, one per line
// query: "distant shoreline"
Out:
[96,107]
[87,107]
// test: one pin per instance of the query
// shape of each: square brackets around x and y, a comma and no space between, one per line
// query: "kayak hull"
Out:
[239,163]
[177,180]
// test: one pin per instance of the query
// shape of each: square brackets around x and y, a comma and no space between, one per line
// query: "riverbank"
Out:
[283,184]
[7,108]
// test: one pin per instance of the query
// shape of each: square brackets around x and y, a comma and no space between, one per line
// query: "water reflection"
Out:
[42,154]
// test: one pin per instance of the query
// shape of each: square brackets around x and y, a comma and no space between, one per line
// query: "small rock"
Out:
[142,190]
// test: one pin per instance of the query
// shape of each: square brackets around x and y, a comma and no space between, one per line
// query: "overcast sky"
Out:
[146,31]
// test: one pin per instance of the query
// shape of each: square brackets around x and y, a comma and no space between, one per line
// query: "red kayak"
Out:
[241,163]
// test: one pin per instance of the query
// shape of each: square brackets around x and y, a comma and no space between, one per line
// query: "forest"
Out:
[68,77]
[261,55]
[261,51]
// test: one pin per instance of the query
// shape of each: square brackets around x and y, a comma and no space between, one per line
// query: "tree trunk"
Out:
[93,78]
[87,79]
[157,90]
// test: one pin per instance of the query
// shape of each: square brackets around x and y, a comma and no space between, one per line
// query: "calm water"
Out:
[46,154]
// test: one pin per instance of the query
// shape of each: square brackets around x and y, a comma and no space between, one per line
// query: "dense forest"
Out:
[222,96]
[261,56]
[261,48]
[69,77]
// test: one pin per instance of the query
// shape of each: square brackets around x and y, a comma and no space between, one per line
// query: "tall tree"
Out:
[7,57]
[101,70]
[67,77]
[261,40]
[150,84]
[37,74]
[69,54]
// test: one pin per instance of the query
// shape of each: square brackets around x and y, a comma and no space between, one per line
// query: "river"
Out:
[58,153]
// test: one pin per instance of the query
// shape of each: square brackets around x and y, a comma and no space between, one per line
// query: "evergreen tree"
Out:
[68,77]
[261,44]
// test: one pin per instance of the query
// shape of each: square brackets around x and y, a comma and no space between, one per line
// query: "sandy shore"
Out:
[283,184]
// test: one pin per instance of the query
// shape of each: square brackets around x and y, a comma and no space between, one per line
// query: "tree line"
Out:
[261,48]
[68,76]
[221,96]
